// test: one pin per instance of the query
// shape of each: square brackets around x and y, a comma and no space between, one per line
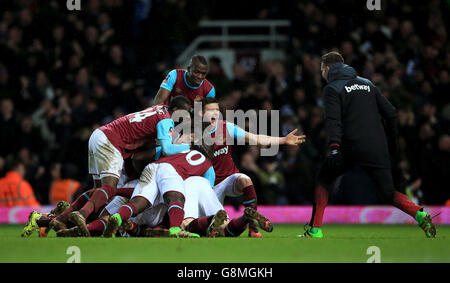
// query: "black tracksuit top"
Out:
[358,117]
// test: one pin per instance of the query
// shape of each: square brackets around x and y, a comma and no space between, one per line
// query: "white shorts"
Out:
[125,182]
[156,180]
[103,157]
[227,188]
[200,198]
[151,216]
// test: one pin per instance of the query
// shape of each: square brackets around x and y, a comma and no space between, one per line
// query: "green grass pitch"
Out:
[342,243]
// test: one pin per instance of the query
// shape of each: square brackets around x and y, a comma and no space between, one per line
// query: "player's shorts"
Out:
[227,188]
[200,198]
[152,216]
[125,182]
[156,180]
[103,157]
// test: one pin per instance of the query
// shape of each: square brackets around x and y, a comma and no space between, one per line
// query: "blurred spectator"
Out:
[14,190]
[64,73]
[272,183]
[63,185]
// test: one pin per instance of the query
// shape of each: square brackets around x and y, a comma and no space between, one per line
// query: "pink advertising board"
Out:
[288,214]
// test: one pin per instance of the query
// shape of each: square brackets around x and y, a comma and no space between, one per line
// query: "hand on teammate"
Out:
[335,160]
[292,139]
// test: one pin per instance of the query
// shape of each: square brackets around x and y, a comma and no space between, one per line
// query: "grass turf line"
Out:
[342,243]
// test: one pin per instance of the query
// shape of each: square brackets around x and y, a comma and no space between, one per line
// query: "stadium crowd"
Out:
[65,73]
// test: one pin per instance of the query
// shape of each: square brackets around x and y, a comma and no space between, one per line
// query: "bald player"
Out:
[190,83]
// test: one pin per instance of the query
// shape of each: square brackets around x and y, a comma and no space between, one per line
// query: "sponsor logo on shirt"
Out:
[357,87]
[223,150]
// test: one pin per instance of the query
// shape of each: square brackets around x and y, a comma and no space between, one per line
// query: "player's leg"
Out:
[171,187]
[40,221]
[59,222]
[326,179]
[235,185]
[238,225]
[145,194]
[382,177]
[245,185]
[107,161]
[132,208]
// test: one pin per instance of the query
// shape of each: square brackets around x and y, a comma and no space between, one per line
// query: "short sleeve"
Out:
[170,80]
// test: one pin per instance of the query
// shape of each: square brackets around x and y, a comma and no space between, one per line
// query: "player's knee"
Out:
[242,182]
[111,181]
[140,204]
[173,196]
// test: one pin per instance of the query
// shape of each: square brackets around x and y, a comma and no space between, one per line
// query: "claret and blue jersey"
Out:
[176,82]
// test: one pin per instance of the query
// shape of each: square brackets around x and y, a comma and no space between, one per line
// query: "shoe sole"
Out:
[217,221]
[29,227]
[72,232]
[157,232]
[60,208]
[259,219]
[56,225]
[113,224]
[432,229]
[76,218]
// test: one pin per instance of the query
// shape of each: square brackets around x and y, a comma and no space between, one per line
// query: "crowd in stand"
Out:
[64,73]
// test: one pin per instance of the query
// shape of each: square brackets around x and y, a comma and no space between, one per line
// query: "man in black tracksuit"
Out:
[362,130]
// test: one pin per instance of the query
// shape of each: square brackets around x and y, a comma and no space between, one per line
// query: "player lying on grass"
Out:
[200,200]
[125,188]
[162,182]
[111,144]
[229,181]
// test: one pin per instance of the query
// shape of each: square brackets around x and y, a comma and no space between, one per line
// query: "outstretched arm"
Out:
[263,140]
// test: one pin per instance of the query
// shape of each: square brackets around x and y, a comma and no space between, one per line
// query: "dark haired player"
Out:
[229,181]
[111,144]
[354,113]
[190,83]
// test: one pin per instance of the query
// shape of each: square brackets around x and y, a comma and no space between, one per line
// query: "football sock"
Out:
[320,202]
[99,198]
[96,226]
[402,202]
[126,211]
[44,220]
[249,197]
[76,205]
[176,213]
[236,227]
[199,225]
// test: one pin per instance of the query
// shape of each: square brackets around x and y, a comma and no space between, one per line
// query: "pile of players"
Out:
[150,180]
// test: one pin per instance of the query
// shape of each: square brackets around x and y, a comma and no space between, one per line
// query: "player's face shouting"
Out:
[197,73]
[211,112]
